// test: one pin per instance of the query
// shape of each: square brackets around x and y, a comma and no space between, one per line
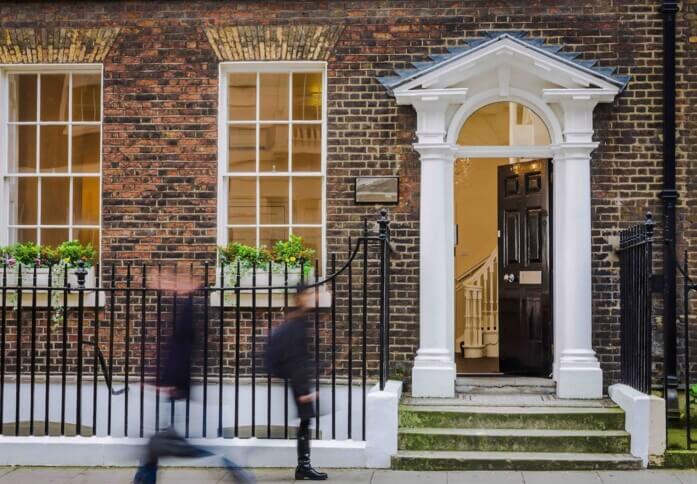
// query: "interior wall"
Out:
[475,210]
[476,217]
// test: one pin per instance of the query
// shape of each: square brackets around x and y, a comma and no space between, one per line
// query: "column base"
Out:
[433,375]
[580,376]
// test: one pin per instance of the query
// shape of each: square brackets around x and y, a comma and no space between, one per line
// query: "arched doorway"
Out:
[505,66]
[503,317]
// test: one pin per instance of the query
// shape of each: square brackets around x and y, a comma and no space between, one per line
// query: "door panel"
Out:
[524,271]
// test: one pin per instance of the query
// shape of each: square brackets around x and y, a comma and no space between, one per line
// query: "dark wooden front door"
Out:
[525,310]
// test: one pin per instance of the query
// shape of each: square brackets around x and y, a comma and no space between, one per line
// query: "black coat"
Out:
[287,357]
[179,351]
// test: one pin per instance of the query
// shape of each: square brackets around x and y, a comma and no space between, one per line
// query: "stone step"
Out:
[508,401]
[519,461]
[483,417]
[505,385]
[514,440]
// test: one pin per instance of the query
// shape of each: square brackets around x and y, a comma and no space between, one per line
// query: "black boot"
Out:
[305,471]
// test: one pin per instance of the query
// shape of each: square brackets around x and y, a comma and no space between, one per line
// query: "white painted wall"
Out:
[645,420]
[382,408]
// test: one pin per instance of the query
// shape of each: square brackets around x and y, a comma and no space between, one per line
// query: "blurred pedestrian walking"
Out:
[175,380]
[287,356]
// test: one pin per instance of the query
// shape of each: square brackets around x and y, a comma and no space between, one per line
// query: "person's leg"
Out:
[304,470]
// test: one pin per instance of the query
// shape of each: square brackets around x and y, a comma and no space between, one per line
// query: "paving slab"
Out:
[408,477]
[638,477]
[571,477]
[485,477]
[686,476]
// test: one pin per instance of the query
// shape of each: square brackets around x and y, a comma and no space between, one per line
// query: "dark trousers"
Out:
[168,443]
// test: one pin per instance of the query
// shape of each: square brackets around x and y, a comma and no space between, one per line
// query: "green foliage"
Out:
[29,254]
[73,252]
[247,255]
[292,251]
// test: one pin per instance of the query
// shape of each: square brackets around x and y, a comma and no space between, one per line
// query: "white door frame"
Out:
[566,105]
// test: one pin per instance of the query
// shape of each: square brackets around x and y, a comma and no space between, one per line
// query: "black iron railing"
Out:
[689,287]
[635,253]
[98,346]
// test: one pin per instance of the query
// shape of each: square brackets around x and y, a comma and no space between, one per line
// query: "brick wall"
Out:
[160,133]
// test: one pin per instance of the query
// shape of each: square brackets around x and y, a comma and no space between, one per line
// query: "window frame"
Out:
[265,67]
[6,176]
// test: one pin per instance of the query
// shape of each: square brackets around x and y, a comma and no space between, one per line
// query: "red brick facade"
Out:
[161,106]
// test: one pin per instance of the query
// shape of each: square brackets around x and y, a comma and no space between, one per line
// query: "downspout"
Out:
[669,196]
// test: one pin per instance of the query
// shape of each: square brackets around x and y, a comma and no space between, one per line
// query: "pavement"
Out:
[64,475]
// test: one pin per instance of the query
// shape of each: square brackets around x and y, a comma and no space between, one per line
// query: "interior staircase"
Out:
[495,426]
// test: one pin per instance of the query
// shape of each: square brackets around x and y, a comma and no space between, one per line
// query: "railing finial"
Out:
[81,274]
[383,223]
[649,223]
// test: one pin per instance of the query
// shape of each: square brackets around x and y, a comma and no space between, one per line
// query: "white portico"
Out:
[563,92]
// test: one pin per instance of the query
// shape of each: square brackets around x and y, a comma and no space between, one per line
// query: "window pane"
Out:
[273,97]
[88,236]
[23,97]
[307,200]
[273,147]
[504,124]
[268,236]
[242,235]
[24,201]
[22,148]
[54,97]
[242,96]
[53,151]
[54,237]
[273,197]
[54,200]
[242,142]
[86,200]
[85,150]
[307,96]
[311,238]
[86,97]
[23,235]
[307,148]
[242,200]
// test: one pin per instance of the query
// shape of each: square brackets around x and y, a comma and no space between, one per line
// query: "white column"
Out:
[576,365]
[433,374]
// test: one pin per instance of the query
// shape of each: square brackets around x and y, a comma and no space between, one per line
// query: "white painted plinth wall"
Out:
[117,450]
[645,420]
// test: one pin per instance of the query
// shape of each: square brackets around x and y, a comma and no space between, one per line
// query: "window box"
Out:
[278,278]
[42,276]
[260,297]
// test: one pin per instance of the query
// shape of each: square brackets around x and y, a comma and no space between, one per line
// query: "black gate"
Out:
[635,255]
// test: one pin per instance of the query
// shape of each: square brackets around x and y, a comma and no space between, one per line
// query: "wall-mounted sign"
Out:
[377,189]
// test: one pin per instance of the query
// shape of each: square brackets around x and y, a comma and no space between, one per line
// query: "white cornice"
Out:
[449,95]
[590,94]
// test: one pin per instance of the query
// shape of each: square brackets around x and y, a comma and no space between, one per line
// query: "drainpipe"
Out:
[669,196]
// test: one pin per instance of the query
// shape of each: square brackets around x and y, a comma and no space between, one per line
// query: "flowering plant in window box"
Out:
[257,264]
[24,261]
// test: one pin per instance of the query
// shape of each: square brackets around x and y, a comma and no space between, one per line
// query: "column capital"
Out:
[574,151]
[431,106]
[442,152]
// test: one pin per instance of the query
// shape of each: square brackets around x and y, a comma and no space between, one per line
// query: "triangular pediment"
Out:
[510,54]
